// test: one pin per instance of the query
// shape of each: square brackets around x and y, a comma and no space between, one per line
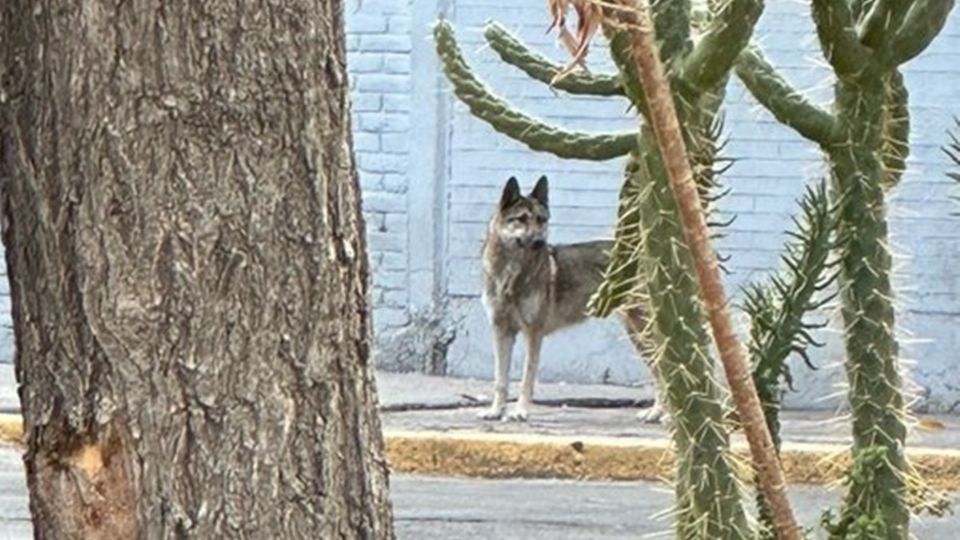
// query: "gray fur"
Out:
[531,287]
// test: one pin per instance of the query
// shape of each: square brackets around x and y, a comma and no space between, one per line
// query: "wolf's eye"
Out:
[541,220]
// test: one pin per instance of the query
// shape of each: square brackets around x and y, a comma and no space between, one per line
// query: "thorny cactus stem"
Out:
[666,127]
[777,309]
[708,493]
[873,368]
[866,143]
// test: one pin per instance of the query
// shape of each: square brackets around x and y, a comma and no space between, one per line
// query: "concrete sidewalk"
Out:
[415,402]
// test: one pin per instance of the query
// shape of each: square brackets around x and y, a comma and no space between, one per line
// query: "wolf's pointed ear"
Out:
[511,192]
[539,192]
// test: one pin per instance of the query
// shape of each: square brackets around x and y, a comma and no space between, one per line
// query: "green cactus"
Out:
[502,117]
[537,67]
[650,264]
[708,493]
[865,140]
[777,310]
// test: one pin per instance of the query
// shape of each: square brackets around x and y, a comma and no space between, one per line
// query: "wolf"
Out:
[533,288]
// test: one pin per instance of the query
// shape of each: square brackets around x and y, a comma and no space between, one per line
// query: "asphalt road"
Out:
[429,508]
[452,508]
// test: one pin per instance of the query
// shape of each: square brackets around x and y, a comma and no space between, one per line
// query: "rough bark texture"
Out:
[666,127]
[188,271]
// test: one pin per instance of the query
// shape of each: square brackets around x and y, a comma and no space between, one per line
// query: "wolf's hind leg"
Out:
[635,321]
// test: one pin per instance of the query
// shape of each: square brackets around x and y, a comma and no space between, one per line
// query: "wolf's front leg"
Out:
[522,409]
[503,341]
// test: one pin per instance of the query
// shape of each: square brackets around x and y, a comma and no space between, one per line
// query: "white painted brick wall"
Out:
[379,61]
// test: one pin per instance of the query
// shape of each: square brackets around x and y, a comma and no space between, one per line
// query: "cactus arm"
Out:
[838,38]
[782,100]
[896,132]
[921,24]
[515,53]
[529,131]
[727,34]
[792,294]
[777,310]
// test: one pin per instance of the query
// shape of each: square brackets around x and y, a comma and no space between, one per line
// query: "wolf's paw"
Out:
[652,415]
[493,413]
[518,414]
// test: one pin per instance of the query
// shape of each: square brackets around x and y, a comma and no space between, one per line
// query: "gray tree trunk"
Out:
[188,271]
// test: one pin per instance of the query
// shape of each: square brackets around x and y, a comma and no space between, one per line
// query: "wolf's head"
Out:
[521,221]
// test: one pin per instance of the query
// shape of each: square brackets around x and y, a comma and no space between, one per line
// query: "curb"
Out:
[495,455]
[488,455]
[11,428]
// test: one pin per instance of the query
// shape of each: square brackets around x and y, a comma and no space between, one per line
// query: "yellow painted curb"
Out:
[494,455]
[11,428]
[490,455]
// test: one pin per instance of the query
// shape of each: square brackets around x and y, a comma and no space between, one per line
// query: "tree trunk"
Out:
[188,271]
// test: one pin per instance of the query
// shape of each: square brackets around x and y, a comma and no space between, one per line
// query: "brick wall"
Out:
[379,61]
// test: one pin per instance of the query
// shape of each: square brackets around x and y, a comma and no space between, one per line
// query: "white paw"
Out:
[518,414]
[493,413]
[652,415]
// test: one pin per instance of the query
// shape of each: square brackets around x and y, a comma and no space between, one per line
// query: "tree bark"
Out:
[666,127]
[188,271]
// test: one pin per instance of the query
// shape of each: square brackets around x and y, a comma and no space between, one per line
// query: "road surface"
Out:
[432,508]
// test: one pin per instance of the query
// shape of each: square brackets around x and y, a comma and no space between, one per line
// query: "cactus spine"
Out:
[865,142]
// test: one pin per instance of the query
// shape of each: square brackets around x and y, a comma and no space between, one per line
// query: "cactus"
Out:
[777,310]
[865,140]
[507,120]
[651,266]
